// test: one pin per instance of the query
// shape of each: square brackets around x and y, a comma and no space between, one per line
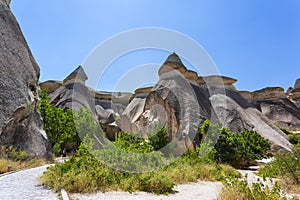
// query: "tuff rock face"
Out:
[277,106]
[19,126]
[294,93]
[72,93]
[181,102]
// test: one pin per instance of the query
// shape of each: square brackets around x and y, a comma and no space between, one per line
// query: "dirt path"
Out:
[200,190]
[23,185]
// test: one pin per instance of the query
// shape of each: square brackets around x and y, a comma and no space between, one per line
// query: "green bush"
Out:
[239,189]
[286,168]
[133,143]
[11,153]
[57,149]
[294,139]
[58,124]
[85,173]
[159,138]
[236,149]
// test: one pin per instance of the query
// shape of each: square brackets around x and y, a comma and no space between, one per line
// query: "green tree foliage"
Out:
[285,168]
[294,139]
[58,124]
[236,149]
[130,142]
[159,138]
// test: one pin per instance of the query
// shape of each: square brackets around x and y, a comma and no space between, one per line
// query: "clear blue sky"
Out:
[254,41]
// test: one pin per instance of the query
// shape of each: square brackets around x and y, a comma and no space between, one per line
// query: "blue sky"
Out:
[254,41]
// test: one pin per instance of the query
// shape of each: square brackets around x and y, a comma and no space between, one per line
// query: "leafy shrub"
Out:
[57,149]
[241,149]
[58,124]
[286,167]
[130,153]
[294,139]
[159,138]
[85,173]
[11,153]
[240,190]
[133,143]
[9,156]
[236,149]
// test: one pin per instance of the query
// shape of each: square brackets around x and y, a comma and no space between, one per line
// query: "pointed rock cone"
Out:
[173,59]
[172,62]
[77,74]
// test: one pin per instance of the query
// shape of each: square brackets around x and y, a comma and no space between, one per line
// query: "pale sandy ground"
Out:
[23,185]
[191,191]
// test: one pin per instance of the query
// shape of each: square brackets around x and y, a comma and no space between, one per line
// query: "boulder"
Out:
[141,92]
[131,114]
[191,75]
[247,95]
[173,62]
[112,130]
[19,89]
[282,112]
[117,101]
[105,116]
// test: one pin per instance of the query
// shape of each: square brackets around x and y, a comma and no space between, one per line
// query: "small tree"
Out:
[236,149]
[58,124]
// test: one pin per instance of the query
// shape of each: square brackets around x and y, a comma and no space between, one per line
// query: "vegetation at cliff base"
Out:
[58,124]
[85,173]
[12,160]
[236,149]
[131,163]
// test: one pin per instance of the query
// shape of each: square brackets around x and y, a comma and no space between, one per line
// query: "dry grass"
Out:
[231,193]
[289,186]
[4,163]
[17,165]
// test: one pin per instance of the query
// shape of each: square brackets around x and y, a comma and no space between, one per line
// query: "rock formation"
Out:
[19,126]
[51,85]
[72,93]
[181,101]
[294,93]
[276,106]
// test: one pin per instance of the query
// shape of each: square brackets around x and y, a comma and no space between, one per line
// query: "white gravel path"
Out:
[23,185]
[191,191]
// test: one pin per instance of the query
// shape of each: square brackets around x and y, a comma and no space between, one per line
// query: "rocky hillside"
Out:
[181,101]
[20,123]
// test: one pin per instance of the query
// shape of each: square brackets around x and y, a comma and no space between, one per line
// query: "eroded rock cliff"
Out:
[20,122]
